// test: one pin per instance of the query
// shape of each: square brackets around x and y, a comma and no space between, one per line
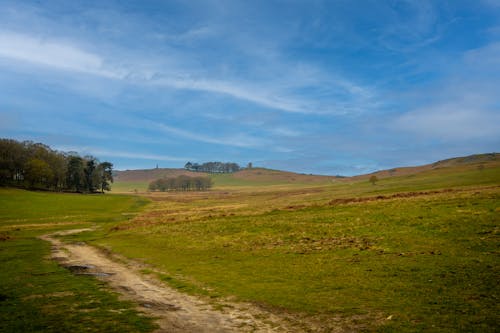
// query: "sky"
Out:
[324,87]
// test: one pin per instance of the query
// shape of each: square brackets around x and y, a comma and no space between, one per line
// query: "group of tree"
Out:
[35,165]
[181,183]
[213,167]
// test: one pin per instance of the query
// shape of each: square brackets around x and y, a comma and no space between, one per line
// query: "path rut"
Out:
[175,311]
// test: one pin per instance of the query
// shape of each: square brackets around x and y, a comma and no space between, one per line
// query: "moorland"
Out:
[415,250]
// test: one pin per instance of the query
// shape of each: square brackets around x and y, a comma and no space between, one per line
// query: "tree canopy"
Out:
[35,165]
[181,183]
[213,167]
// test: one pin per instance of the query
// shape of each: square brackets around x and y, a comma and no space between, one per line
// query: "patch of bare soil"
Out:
[175,311]
[340,201]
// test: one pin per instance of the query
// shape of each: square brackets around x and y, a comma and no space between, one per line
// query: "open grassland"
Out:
[453,172]
[411,253]
[36,294]
[129,186]
[138,181]
[417,252]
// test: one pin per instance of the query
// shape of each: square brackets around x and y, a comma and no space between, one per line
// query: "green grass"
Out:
[429,262]
[38,295]
[129,187]
[222,181]
[26,207]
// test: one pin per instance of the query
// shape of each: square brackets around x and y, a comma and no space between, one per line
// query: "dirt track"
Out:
[175,311]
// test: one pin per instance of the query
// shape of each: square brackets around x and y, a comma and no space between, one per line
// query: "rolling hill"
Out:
[457,163]
[147,175]
[138,180]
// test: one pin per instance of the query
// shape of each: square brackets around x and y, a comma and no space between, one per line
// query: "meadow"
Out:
[36,294]
[416,252]
[410,253]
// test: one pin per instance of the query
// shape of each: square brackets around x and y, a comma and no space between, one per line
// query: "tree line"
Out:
[35,165]
[213,167]
[181,183]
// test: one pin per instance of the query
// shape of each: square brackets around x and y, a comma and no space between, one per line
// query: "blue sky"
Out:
[330,87]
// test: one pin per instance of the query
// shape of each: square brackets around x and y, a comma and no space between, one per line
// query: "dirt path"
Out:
[176,312]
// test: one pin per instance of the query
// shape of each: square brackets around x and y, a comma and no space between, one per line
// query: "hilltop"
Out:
[464,162]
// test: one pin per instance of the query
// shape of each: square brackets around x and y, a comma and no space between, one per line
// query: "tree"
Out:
[13,158]
[373,179]
[213,167]
[181,183]
[36,165]
[105,172]
[58,164]
[38,172]
[91,178]
[75,177]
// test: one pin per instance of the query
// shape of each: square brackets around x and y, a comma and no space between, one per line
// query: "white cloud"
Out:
[485,58]
[464,105]
[451,122]
[84,150]
[51,53]
[239,91]
[238,140]
[62,55]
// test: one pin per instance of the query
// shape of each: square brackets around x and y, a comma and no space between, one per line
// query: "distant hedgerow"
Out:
[181,183]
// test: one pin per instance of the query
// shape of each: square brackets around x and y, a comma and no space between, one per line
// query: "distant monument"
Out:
[157,165]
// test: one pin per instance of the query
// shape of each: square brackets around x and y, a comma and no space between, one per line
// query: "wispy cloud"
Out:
[67,56]
[85,150]
[451,122]
[406,33]
[237,81]
[465,107]
[51,53]
[237,140]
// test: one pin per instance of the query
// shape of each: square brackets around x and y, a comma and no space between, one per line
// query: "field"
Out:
[36,294]
[414,252]
[133,181]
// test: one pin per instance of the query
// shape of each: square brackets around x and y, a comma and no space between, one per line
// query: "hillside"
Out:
[262,176]
[465,162]
[417,248]
[147,175]
[131,180]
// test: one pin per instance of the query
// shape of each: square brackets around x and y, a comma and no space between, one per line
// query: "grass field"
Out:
[38,295]
[133,181]
[410,253]
[427,259]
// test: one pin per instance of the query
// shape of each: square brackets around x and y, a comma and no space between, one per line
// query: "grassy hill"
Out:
[465,163]
[417,251]
[145,175]
[138,180]
[130,180]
